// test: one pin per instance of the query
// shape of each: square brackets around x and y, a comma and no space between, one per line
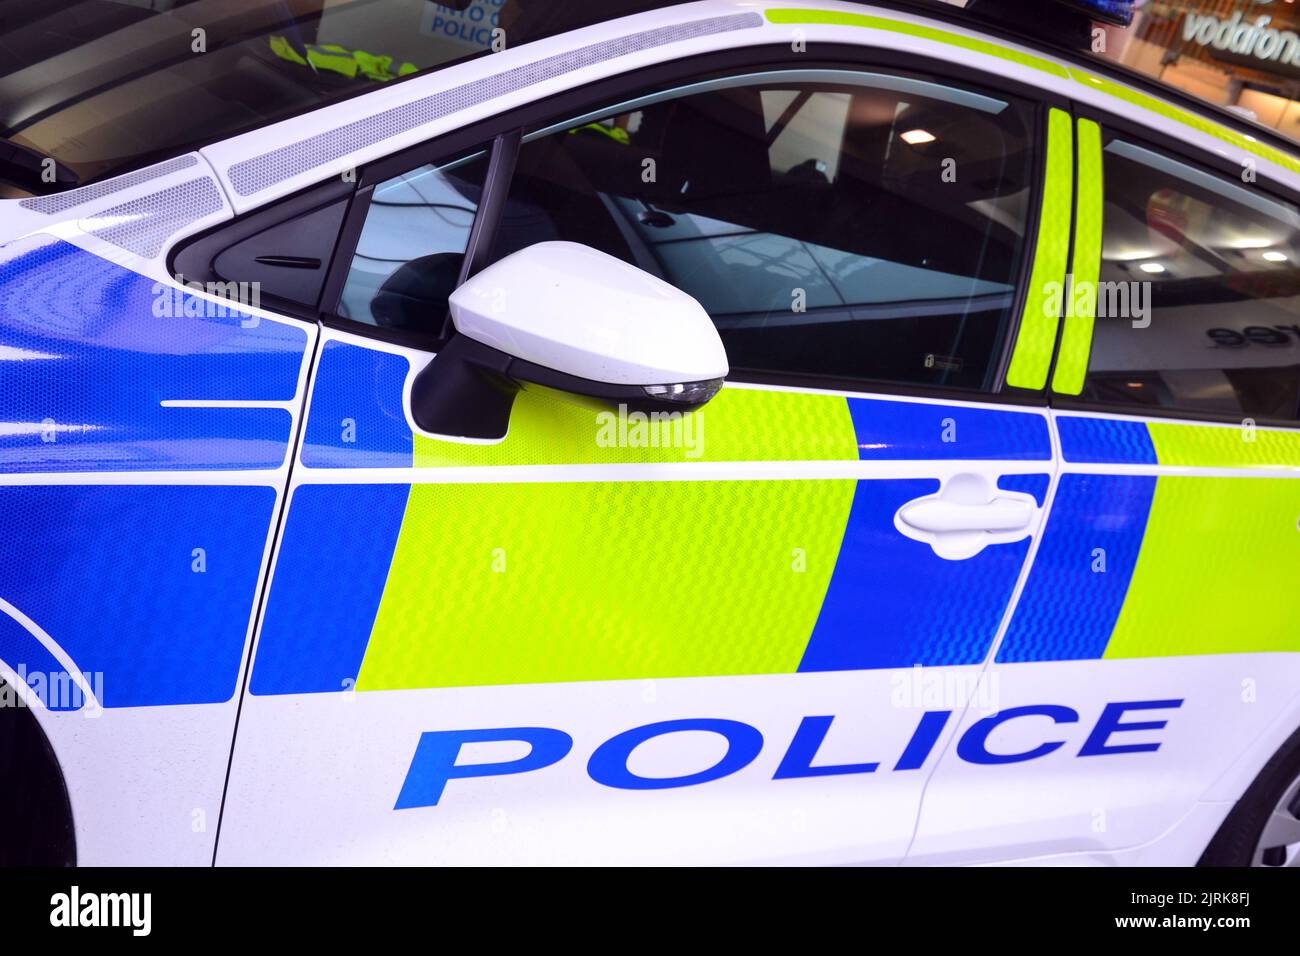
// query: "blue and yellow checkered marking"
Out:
[776,566]
[1145,565]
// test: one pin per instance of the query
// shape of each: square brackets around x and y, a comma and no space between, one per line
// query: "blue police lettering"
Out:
[923,739]
[972,746]
[1109,723]
[798,759]
[436,761]
[608,765]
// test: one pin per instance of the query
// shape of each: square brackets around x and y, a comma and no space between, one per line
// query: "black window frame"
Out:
[1212,163]
[193,256]
[505,130]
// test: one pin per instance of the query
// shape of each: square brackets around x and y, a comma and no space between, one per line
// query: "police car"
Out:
[370,491]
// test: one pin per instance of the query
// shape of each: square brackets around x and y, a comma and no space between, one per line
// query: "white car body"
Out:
[315,777]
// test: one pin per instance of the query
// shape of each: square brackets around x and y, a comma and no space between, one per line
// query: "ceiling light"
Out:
[1154,268]
[915,137]
[1274,256]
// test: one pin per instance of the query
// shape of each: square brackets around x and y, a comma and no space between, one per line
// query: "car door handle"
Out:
[969,513]
[939,517]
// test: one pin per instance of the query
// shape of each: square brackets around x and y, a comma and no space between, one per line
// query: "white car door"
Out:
[741,637]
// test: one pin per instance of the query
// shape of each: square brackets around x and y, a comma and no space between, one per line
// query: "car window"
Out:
[862,228]
[1199,302]
[412,243]
[102,86]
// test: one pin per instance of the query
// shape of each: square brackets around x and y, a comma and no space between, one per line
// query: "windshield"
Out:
[103,86]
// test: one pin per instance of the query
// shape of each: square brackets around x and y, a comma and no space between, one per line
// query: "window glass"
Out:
[102,86]
[1199,303]
[859,226]
[411,246]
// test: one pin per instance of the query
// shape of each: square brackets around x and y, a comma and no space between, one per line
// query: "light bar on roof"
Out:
[1112,11]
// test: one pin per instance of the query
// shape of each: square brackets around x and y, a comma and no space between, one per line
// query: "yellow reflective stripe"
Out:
[512,583]
[1224,446]
[1203,124]
[739,424]
[1194,534]
[1085,264]
[1037,334]
[837,18]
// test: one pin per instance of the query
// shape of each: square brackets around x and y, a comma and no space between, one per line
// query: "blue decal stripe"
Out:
[150,586]
[920,432]
[92,350]
[357,419]
[1035,485]
[1082,570]
[1105,441]
[892,602]
[329,578]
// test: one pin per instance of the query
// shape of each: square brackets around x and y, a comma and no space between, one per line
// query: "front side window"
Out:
[1199,300]
[844,226]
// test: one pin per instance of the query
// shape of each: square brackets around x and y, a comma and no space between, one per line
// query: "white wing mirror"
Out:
[569,317]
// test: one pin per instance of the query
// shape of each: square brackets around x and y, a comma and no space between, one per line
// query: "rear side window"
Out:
[412,244]
[850,227]
[1208,268]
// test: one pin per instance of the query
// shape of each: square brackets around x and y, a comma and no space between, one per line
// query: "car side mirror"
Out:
[568,317]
